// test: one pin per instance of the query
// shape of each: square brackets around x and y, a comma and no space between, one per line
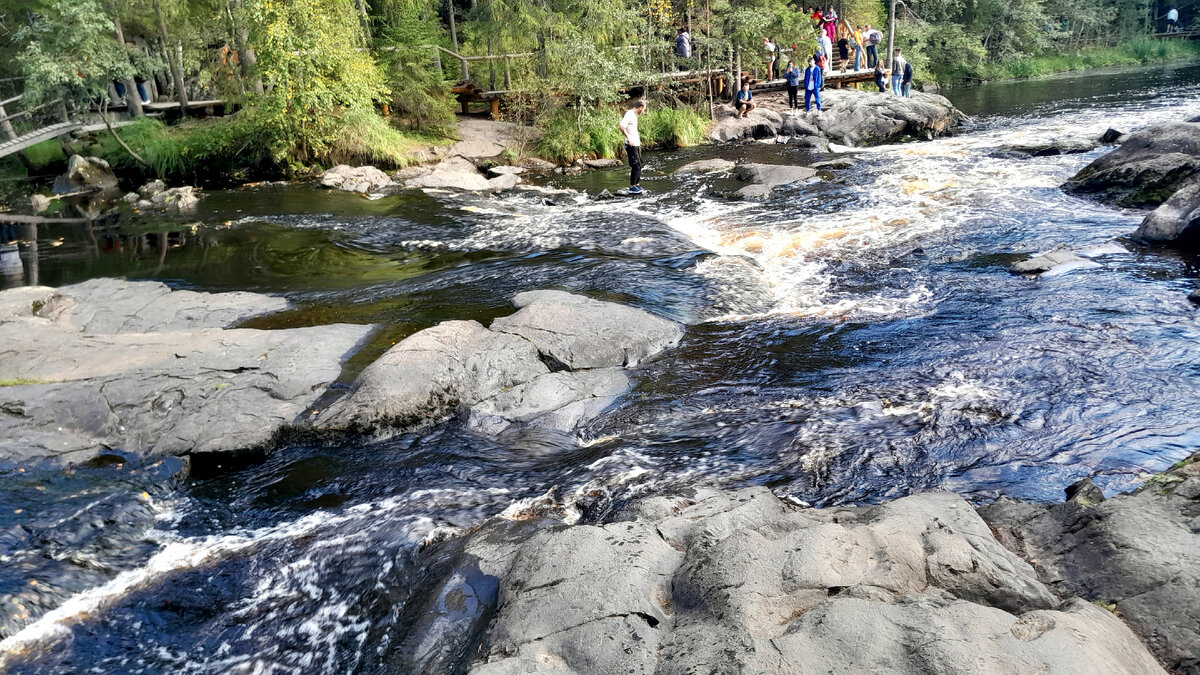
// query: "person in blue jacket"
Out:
[812,85]
[792,74]
[744,101]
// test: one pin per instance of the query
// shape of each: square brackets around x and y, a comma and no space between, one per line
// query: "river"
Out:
[848,342]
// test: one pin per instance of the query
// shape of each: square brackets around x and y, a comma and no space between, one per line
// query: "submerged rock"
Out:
[1146,169]
[1113,137]
[1137,552]
[766,177]
[1063,146]
[139,368]
[180,199]
[1057,260]
[715,581]
[1177,220]
[606,163]
[499,376]
[706,166]
[152,188]
[360,179]
[1194,297]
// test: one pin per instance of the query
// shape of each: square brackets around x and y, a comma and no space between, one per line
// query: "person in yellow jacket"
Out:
[857,37]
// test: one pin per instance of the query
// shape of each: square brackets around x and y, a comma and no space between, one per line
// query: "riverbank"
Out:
[1139,52]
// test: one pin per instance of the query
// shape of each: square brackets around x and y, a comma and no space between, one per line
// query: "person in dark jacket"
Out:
[880,76]
[813,79]
[792,74]
[906,79]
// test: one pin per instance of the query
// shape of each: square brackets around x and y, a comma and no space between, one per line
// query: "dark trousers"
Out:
[809,96]
[880,82]
[872,56]
[793,96]
[635,163]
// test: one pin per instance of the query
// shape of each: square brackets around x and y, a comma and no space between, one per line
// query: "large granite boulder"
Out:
[579,332]
[760,123]
[503,376]
[719,582]
[857,118]
[1138,553]
[455,173]
[428,375]
[361,179]
[706,166]
[1176,221]
[135,367]
[1146,169]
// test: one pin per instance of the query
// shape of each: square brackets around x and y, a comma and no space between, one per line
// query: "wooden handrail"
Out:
[12,100]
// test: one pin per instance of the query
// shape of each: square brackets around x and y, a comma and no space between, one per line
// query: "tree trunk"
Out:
[176,66]
[891,32]
[246,55]
[133,100]
[466,75]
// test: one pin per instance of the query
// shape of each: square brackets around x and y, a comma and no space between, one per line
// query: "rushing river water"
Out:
[850,341]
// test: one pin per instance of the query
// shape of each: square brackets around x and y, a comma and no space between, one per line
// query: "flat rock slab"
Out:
[153,372]
[738,581]
[580,332]
[760,123]
[1148,167]
[1051,261]
[1052,148]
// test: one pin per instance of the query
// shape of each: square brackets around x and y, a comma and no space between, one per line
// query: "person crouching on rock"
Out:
[633,144]
[744,102]
[813,79]
[792,75]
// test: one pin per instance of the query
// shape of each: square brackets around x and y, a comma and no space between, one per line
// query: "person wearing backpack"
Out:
[906,79]
[873,38]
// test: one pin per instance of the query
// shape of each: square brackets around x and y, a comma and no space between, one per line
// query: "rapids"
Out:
[850,341]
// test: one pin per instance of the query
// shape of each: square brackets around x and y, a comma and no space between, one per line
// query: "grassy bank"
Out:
[227,150]
[1142,51]
[596,135]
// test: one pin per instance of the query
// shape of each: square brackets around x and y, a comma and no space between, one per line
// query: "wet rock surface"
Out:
[1148,167]
[503,375]
[739,581]
[455,173]
[764,178]
[1176,221]
[850,117]
[1050,148]
[706,166]
[361,179]
[1138,553]
[86,173]
[135,367]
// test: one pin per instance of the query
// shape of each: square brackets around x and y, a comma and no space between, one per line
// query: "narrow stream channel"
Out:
[847,342]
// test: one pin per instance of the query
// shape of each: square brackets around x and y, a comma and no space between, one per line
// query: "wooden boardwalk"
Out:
[25,141]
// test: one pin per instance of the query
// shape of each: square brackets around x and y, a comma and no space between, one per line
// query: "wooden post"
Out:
[437,62]
[62,111]
[495,106]
[133,100]
[507,73]
[891,33]
[7,125]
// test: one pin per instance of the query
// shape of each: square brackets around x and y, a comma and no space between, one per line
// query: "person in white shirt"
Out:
[827,50]
[633,144]
[1172,20]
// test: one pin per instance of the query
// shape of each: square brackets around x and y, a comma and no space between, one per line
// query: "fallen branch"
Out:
[108,125]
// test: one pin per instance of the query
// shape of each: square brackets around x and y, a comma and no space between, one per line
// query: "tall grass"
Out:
[595,134]
[1135,52]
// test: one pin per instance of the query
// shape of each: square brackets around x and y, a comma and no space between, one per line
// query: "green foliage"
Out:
[566,139]
[420,98]
[1135,52]
[69,51]
[311,55]
[45,153]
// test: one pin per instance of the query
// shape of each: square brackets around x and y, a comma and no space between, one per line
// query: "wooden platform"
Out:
[32,138]
[834,80]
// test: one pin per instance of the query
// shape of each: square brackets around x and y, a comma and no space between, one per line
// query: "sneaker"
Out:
[636,190]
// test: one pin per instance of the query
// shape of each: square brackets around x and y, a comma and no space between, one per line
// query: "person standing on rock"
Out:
[898,64]
[906,80]
[744,102]
[792,75]
[813,80]
[826,51]
[633,144]
[880,77]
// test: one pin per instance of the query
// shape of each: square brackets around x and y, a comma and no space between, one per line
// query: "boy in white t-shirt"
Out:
[633,144]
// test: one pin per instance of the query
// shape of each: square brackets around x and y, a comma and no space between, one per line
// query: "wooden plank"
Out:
[34,137]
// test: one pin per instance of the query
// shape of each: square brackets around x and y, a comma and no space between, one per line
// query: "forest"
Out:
[316,82]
